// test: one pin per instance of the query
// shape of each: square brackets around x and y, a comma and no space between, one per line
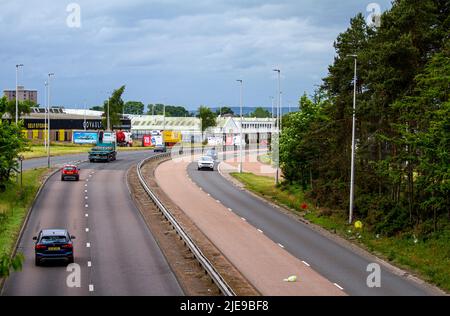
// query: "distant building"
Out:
[24,95]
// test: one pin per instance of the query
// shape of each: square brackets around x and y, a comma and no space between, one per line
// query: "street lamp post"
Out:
[48,125]
[45,115]
[277,180]
[352,177]
[242,119]
[17,92]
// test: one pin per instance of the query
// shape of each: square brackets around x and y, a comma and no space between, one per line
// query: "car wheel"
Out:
[71,260]
[37,262]
[62,178]
[78,178]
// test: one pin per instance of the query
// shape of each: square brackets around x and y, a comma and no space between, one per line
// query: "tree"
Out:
[207,117]
[134,107]
[171,111]
[97,108]
[7,264]
[261,113]
[116,106]
[9,107]
[12,143]
[225,111]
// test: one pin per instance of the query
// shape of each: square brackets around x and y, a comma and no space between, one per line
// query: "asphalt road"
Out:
[334,261]
[114,248]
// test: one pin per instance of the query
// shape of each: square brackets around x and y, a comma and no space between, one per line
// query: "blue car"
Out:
[53,245]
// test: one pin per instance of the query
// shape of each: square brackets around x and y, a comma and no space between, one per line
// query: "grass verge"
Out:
[14,206]
[428,258]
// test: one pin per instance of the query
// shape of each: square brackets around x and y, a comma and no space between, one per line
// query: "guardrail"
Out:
[224,288]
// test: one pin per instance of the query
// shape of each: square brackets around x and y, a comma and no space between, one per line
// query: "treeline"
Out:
[403,122]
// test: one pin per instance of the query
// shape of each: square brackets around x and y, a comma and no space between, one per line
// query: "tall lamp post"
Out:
[17,92]
[352,177]
[242,122]
[45,115]
[277,179]
[50,75]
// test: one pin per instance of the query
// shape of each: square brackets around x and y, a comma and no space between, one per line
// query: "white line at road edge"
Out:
[260,231]
[91,288]
[89,264]
[243,219]
[230,210]
[306,263]
[281,246]
[88,245]
[338,286]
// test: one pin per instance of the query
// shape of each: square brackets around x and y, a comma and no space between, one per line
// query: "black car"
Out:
[54,245]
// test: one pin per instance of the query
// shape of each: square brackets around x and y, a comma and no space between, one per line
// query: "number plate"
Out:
[54,248]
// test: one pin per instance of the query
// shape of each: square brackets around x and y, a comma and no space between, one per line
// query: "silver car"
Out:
[206,162]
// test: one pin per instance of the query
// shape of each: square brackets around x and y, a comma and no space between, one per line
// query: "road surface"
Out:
[114,248]
[334,261]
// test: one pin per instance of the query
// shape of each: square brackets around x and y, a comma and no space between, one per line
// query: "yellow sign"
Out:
[172,137]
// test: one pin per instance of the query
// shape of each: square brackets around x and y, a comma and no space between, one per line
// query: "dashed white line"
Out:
[306,263]
[85,191]
[218,202]
[89,264]
[244,219]
[260,231]
[338,286]
[87,230]
[91,288]
[230,210]
[281,246]
[86,198]
[86,206]
[87,215]
[86,185]
[88,245]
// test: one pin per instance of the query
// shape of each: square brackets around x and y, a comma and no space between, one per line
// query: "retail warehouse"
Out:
[64,122]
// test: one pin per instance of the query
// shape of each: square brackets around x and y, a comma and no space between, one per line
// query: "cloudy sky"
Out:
[172,51]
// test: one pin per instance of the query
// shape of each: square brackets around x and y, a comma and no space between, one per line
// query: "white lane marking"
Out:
[281,246]
[85,191]
[91,288]
[260,231]
[306,263]
[243,219]
[87,215]
[89,264]
[90,176]
[218,202]
[209,194]
[87,180]
[87,230]
[86,206]
[230,210]
[86,185]
[86,198]
[88,245]
[338,286]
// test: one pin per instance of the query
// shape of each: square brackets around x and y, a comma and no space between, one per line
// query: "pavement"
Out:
[114,248]
[338,262]
[263,262]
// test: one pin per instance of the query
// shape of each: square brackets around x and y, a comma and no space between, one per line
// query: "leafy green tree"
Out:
[207,117]
[171,111]
[225,111]
[97,108]
[116,106]
[261,113]
[9,107]
[12,143]
[134,107]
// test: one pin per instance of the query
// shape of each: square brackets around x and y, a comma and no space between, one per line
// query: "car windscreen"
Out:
[206,159]
[70,169]
[53,239]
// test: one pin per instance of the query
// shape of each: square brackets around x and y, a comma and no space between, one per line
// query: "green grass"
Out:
[429,258]
[14,206]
